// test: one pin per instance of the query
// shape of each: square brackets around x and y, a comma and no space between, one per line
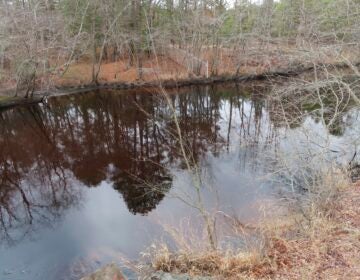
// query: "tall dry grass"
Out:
[295,243]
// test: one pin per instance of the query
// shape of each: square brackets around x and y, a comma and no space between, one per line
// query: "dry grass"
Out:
[224,264]
[320,239]
[153,69]
[329,248]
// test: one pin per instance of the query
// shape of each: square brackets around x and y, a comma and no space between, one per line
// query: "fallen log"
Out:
[17,101]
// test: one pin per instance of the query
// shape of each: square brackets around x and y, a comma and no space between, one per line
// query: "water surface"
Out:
[87,179]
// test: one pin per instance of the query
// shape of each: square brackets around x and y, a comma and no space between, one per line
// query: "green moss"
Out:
[7,99]
[309,107]
[4,98]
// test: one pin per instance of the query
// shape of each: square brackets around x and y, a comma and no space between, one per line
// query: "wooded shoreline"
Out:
[40,96]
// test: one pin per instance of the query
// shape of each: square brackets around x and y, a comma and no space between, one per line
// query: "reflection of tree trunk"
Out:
[157,146]
[135,130]
[147,136]
[36,113]
[229,127]
[70,127]
[141,136]
[257,116]
[249,119]
[242,114]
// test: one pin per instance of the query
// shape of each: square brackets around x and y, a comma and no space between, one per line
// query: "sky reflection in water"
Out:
[75,176]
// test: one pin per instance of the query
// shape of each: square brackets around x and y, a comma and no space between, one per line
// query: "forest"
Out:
[47,43]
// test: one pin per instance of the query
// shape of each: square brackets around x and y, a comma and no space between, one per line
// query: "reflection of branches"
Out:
[129,139]
[320,107]
[34,188]
[142,192]
[25,205]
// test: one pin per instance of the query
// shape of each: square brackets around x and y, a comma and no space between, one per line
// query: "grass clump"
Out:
[226,264]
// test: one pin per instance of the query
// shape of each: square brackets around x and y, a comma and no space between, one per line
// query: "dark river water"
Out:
[91,178]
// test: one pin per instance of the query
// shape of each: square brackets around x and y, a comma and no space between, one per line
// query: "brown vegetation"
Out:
[331,250]
[322,244]
[162,68]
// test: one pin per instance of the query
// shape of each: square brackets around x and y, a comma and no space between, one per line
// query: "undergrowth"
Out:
[306,242]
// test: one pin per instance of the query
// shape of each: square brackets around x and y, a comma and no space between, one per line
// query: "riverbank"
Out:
[9,101]
[324,245]
[39,96]
[164,70]
[319,241]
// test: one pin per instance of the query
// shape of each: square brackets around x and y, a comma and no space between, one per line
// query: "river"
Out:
[92,178]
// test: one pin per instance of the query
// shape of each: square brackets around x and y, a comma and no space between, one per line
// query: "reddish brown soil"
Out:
[161,68]
[254,60]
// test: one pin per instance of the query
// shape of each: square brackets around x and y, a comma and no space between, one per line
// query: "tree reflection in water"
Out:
[128,139]
[36,186]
